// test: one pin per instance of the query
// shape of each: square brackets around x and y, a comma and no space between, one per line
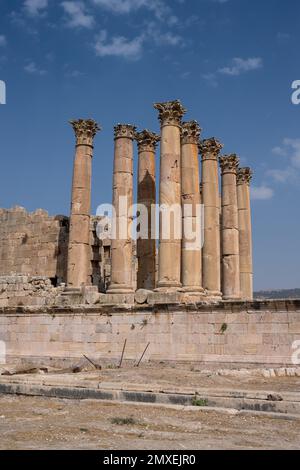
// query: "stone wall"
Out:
[18,290]
[36,244]
[33,244]
[241,333]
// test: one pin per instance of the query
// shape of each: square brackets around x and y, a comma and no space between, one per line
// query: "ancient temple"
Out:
[218,268]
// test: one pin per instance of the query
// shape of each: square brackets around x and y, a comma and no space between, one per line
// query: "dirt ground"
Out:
[165,377]
[182,377]
[42,423]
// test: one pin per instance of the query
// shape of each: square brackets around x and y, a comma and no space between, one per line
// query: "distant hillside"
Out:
[278,294]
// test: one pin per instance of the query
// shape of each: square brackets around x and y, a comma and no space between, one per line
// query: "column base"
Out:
[214,295]
[232,298]
[120,289]
[193,290]
[168,287]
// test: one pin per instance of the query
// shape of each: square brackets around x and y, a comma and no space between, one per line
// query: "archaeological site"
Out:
[84,285]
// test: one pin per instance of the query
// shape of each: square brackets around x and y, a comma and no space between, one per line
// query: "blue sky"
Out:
[230,62]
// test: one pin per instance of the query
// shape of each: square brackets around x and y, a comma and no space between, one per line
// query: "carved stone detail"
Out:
[229,163]
[170,112]
[190,132]
[244,175]
[124,130]
[210,149]
[147,141]
[85,131]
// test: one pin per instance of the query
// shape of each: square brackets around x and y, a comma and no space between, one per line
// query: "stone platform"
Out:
[262,332]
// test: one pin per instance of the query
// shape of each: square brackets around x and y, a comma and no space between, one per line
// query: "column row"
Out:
[222,266]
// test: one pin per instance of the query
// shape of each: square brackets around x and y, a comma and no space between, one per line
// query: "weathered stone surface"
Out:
[209,150]
[230,229]
[142,295]
[191,255]
[146,247]
[79,236]
[169,262]
[175,332]
[121,247]
[244,176]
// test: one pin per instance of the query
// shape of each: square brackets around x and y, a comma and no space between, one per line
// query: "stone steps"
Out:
[281,403]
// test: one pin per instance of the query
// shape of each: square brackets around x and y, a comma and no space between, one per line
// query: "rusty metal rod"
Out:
[137,365]
[121,360]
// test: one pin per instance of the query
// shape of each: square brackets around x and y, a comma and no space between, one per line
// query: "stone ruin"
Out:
[66,292]
[222,269]
[79,267]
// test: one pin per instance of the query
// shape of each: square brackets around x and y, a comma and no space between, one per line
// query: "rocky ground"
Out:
[43,423]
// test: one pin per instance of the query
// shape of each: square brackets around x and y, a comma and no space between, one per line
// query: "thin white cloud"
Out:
[118,46]
[77,15]
[161,10]
[294,146]
[282,176]
[282,152]
[33,69]
[290,150]
[35,7]
[239,66]
[261,193]
[168,38]
[2,40]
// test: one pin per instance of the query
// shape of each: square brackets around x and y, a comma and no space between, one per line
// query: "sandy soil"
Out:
[43,423]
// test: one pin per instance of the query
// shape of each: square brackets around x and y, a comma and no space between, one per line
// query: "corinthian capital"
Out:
[244,175]
[190,132]
[125,130]
[210,149]
[229,163]
[85,131]
[170,112]
[147,140]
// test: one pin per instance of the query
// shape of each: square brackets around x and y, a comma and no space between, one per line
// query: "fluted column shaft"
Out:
[121,245]
[146,196]
[230,231]
[211,267]
[191,254]
[78,269]
[244,177]
[169,269]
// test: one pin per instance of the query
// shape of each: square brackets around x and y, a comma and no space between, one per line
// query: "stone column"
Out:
[121,247]
[169,269]
[244,177]
[79,235]
[230,229]
[211,268]
[146,196]
[191,255]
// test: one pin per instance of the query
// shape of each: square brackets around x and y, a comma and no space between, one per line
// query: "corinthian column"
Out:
[211,268]
[191,262]
[79,235]
[169,269]
[146,247]
[244,177]
[121,245]
[230,231]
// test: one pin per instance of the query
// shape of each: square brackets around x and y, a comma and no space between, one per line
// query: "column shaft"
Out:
[230,232]
[146,197]
[79,270]
[191,254]
[211,268]
[169,270]
[245,233]
[121,246]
